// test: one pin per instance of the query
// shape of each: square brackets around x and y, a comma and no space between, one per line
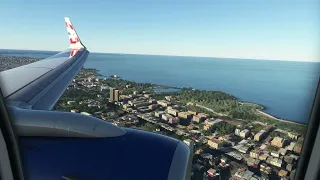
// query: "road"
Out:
[211,110]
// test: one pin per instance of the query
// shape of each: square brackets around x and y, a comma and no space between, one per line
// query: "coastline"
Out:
[259,110]
[278,119]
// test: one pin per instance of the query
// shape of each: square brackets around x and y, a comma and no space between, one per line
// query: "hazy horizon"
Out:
[123,53]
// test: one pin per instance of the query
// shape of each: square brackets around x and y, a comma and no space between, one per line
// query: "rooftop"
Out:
[216,140]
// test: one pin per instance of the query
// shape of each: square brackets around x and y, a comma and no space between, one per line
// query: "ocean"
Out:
[285,88]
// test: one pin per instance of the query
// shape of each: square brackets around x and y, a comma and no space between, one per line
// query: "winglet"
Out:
[75,43]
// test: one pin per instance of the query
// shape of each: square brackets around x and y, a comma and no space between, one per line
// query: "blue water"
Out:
[285,88]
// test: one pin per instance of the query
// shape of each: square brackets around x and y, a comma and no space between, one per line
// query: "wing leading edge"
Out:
[39,85]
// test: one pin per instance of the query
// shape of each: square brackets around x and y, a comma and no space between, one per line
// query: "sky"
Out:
[250,29]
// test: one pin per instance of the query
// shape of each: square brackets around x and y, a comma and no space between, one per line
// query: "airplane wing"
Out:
[39,85]
[65,145]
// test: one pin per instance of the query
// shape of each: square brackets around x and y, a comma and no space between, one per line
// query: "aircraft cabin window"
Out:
[163,90]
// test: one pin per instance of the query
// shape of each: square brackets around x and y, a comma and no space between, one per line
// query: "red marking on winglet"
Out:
[69,26]
[73,41]
[73,52]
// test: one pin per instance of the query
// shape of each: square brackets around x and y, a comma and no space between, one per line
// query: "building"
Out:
[215,143]
[163,103]
[244,149]
[140,104]
[293,135]
[114,95]
[282,173]
[209,124]
[275,154]
[237,132]
[188,141]
[153,106]
[247,175]
[243,142]
[192,112]
[168,98]
[204,115]
[263,157]
[240,173]
[111,98]
[275,161]
[74,110]
[297,149]
[198,118]
[173,112]
[255,153]
[294,157]
[174,120]
[268,140]
[279,142]
[289,167]
[253,162]
[124,97]
[244,174]
[262,147]
[282,151]
[207,127]
[211,172]
[126,106]
[291,146]
[166,117]
[159,114]
[245,133]
[265,168]
[185,115]
[289,159]
[152,101]
[259,136]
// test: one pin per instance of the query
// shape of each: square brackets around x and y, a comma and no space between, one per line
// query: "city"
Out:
[226,148]
[167,90]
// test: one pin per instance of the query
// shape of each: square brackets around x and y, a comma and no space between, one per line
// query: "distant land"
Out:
[143,54]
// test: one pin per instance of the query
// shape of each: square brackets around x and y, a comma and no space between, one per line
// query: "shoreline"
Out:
[259,111]
[278,119]
[265,114]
